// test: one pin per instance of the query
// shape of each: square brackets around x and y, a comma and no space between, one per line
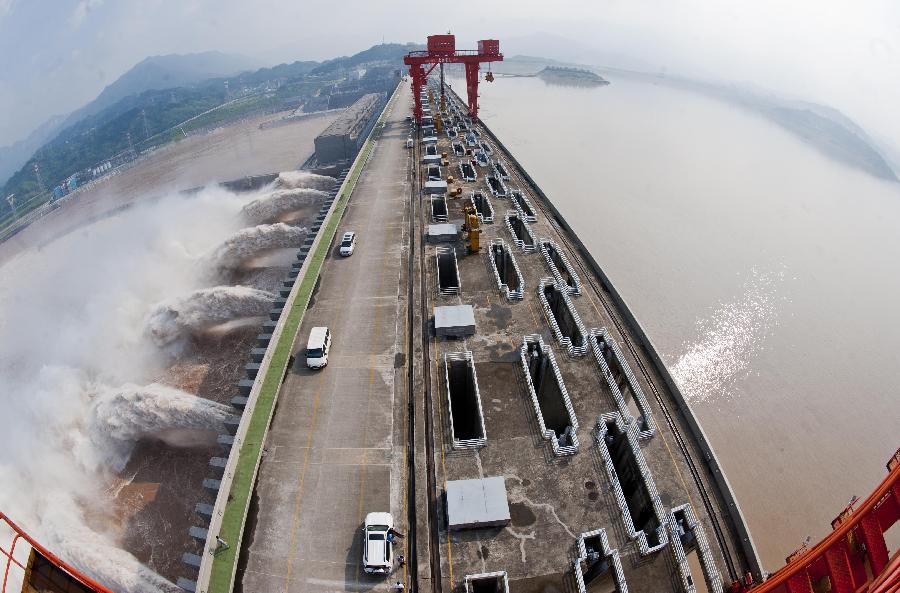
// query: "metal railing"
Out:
[605,550]
[630,432]
[520,243]
[600,340]
[466,357]
[548,434]
[564,341]
[512,295]
[575,287]
[707,563]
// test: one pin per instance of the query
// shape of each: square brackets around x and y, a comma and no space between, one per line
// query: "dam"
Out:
[551,410]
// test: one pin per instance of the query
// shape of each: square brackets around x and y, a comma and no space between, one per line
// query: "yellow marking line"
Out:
[443,463]
[533,316]
[372,359]
[295,519]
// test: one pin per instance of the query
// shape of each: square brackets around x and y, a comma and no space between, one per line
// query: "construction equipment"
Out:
[472,229]
[442,50]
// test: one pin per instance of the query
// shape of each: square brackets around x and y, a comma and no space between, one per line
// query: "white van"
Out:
[348,243]
[377,549]
[317,347]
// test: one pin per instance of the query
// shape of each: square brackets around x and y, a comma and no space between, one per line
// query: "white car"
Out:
[348,242]
[317,348]
[378,555]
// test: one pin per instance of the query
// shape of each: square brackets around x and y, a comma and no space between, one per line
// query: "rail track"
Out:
[417,262]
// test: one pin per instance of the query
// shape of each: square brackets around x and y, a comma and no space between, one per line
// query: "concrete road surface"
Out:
[336,447]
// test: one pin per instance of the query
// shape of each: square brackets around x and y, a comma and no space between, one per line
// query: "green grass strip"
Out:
[223,570]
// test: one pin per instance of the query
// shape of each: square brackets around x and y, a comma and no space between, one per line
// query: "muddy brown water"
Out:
[761,269]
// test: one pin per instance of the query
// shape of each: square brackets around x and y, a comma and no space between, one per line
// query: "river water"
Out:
[764,272]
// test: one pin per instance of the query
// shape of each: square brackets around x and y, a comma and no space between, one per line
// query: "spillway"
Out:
[280,203]
[205,308]
[251,242]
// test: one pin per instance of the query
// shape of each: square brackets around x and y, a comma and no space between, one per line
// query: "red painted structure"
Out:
[70,579]
[442,50]
[854,557]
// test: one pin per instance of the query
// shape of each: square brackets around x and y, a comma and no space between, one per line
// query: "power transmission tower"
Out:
[39,178]
[146,127]
[130,144]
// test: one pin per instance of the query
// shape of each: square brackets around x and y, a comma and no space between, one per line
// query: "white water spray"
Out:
[280,203]
[121,417]
[251,242]
[296,179]
[72,318]
[203,309]
[728,341]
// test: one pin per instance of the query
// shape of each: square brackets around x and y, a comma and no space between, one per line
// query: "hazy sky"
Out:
[56,55]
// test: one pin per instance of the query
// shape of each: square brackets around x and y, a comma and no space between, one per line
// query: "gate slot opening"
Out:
[552,406]
[560,267]
[489,582]
[523,205]
[439,208]
[483,207]
[632,482]
[563,318]
[466,417]
[506,270]
[520,231]
[598,566]
[467,171]
[447,271]
[630,399]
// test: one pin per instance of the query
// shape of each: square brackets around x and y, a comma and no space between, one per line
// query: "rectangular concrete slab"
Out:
[442,233]
[454,320]
[436,187]
[477,503]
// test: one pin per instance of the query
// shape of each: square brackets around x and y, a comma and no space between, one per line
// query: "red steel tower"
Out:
[442,50]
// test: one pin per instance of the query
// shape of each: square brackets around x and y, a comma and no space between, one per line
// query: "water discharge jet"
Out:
[252,242]
[203,309]
[298,179]
[120,417]
[280,203]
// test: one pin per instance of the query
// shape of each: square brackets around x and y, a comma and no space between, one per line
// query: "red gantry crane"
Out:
[442,50]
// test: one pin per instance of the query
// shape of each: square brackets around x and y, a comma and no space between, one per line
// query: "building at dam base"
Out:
[341,141]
